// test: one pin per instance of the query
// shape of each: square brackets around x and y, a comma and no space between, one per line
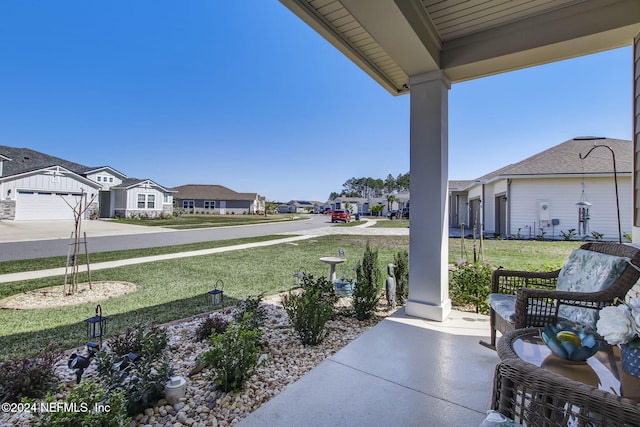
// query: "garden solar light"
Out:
[126,361]
[97,325]
[216,296]
[80,362]
[299,275]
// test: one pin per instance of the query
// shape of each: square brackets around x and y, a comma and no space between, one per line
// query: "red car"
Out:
[340,215]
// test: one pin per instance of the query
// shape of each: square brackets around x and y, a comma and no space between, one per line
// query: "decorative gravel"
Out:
[284,360]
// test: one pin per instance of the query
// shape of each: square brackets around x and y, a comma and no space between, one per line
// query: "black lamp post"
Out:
[216,296]
[97,325]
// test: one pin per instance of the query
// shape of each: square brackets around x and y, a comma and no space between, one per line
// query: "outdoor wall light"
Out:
[97,325]
[216,296]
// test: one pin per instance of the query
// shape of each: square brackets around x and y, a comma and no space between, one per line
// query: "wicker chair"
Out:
[537,301]
[533,396]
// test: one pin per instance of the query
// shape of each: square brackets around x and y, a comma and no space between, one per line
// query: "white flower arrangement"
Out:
[620,324]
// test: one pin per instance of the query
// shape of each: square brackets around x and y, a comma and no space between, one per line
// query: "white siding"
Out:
[49,183]
[562,195]
[636,139]
[107,179]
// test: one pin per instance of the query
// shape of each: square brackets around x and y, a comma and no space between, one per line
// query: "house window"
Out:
[166,198]
[99,178]
[151,201]
[187,204]
[209,204]
[110,179]
[141,201]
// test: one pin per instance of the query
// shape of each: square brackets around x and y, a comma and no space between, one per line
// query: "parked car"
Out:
[399,214]
[341,215]
[328,212]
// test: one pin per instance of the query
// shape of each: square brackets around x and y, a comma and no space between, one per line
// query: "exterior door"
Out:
[501,215]
[475,222]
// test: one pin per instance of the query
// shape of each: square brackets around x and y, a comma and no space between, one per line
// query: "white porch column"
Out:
[429,236]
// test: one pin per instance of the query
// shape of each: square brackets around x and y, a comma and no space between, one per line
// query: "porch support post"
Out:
[429,224]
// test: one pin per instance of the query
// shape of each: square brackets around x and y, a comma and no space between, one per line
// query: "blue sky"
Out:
[245,95]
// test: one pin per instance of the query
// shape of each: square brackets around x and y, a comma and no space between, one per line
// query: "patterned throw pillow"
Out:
[588,271]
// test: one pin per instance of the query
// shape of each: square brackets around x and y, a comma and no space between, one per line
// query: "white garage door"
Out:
[33,205]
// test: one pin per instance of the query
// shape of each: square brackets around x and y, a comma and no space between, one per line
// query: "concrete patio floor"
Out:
[404,371]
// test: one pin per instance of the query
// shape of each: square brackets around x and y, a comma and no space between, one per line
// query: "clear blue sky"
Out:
[245,95]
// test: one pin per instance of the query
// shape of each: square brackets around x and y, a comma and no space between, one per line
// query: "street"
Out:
[57,244]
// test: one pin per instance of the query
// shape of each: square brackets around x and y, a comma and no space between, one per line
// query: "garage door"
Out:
[33,205]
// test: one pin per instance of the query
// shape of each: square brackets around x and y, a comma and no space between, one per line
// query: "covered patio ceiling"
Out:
[392,40]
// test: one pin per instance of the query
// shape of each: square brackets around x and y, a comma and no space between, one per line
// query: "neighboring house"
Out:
[363,205]
[139,198]
[538,196]
[301,206]
[202,198]
[37,186]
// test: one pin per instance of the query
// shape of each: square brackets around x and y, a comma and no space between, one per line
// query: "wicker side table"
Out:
[536,390]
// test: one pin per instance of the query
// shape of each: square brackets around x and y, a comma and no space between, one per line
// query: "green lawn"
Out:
[60,261]
[175,289]
[391,223]
[188,221]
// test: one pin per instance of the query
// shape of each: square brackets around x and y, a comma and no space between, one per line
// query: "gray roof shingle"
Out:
[210,192]
[564,159]
[25,160]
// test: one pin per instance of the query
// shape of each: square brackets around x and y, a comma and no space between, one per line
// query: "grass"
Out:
[189,221]
[175,289]
[7,267]
[396,223]
[350,224]
[530,255]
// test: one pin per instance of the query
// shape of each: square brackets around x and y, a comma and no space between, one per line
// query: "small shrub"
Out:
[628,236]
[141,339]
[310,309]
[597,236]
[368,285]
[401,261]
[29,377]
[251,306]
[209,325]
[470,283]
[142,379]
[90,401]
[234,355]
[569,235]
